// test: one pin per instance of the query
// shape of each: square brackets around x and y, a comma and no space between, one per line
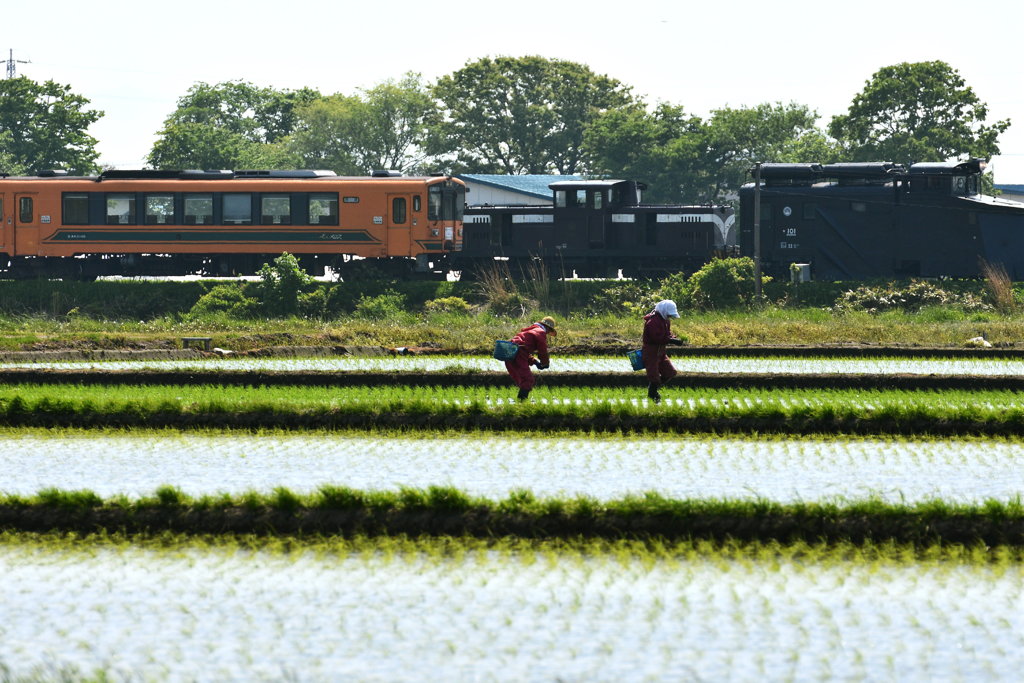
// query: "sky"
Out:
[133,60]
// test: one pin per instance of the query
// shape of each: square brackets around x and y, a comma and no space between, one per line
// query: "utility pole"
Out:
[11,61]
[757,232]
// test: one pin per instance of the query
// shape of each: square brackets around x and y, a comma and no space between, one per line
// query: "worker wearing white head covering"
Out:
[666,309]
[658,335]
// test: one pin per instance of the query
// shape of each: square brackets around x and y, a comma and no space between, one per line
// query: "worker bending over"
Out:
[531,340]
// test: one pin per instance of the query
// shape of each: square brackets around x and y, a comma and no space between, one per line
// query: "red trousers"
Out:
[659,368]
[519,369]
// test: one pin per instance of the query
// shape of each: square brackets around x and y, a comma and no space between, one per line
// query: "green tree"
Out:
[381,128]
[685,159]
[736,138]
[662,148]
[44,126]
[521,114]
[917,111]
[230,125]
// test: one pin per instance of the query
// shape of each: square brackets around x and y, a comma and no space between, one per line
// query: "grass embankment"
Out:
[476,332]
[480,408]
[448,512]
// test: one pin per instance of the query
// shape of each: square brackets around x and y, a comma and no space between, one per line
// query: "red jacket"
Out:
[657,330]
[533,339]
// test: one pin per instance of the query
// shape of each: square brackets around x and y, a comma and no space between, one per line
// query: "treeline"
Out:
[515,115]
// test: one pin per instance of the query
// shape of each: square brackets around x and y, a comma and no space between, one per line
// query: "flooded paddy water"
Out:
[200,612]
[210,614]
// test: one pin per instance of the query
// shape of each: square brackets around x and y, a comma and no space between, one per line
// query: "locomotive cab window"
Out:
[25,210]
[560,198]
[398,210]
[159,209]
[120,209]
[416,203]
[76,208]
[237,208]
[598,199]
[275,209]
[198,209]
[323,209]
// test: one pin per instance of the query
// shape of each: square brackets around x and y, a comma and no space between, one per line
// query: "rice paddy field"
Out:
[438,532]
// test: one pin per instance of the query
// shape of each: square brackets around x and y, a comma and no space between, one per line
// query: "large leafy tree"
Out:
[686,159]
[44,125]
[662,148]
[920,111]
[229,125]
[521,114]
[381,128]
[737,138]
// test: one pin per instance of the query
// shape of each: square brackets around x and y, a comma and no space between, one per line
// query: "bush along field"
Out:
[285,307]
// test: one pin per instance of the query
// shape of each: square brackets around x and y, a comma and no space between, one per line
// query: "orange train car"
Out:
[225,222]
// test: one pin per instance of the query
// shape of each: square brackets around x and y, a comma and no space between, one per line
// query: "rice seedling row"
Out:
[684,409]
[444,511]
[455,377]
[128,612]
[134,464]
[560,365]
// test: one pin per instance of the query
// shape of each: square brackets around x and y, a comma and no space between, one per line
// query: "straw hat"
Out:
[549,324]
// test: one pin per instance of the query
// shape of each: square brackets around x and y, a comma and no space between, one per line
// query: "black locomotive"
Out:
[881,220]
[595,228]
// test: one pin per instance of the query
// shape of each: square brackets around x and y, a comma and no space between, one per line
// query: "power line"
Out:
[11,61]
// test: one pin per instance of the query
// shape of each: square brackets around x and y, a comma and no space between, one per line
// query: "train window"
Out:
[76,209]
[858,207]
[120,209]
[810,211]
[323,209]
[237,208]
[398,210]
[598,200]
[25,210]
[159,209]
[276,209]
[560,198]
[581,198]
[416,203]
[198,209]
[434,203]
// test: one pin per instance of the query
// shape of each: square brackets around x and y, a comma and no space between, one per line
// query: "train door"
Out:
[399,234]
[6,224]
[26,230]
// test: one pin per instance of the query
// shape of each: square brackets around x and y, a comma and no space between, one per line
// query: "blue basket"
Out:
[636,359]
[505,350]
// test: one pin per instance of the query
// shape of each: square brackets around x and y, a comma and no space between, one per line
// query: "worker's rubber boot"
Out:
[524,394]
[652,393]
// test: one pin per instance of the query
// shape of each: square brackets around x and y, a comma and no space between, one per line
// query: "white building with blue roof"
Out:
[511,190]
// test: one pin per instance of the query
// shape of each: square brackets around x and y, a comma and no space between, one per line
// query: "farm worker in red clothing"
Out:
[532,339]
[657,335]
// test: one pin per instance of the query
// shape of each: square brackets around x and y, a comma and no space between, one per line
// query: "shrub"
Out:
[626,298]
[909,299]
[386,305]
[227,300]
[720,284]
[448,304]
[281,283]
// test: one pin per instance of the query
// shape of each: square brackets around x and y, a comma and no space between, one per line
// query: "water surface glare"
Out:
[217,615]
[802,469]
